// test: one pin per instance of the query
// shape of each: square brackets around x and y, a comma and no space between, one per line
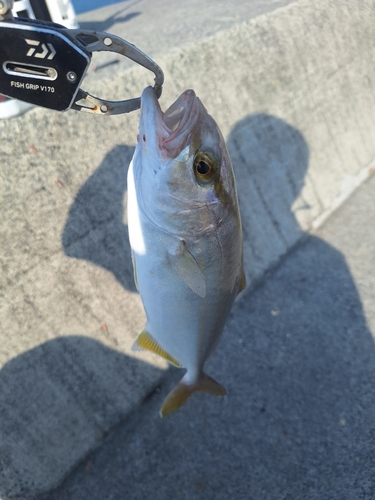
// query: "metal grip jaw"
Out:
[44,64]
[97,42]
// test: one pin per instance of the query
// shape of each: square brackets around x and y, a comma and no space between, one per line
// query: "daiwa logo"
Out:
[47,52]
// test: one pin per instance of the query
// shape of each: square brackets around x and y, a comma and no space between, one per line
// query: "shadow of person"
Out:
[55,401]
[106,24]
[271,160]
[95,230]
[297,358]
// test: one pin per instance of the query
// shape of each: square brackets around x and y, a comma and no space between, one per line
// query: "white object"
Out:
[22,6]
[13,107]
[62,12]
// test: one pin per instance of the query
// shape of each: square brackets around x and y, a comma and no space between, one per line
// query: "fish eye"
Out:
[205,166]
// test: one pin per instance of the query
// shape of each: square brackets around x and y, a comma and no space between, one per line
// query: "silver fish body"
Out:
[186,237]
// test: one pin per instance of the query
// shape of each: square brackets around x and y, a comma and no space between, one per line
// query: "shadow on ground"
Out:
[95,230]
[108,23]
[297,359]
[68,390]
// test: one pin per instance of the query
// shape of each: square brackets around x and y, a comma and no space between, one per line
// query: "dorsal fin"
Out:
[145,341]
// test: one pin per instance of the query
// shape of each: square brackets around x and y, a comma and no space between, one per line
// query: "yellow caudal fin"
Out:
[178,396]
[145,341]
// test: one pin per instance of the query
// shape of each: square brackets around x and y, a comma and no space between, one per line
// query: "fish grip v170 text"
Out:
[43,63]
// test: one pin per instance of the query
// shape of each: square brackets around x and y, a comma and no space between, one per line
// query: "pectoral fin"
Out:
[135,270]
[145,341]
[186,267]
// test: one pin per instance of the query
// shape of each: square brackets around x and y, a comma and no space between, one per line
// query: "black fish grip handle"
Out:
[43,63]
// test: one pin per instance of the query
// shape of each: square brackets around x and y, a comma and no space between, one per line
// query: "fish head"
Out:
[183,166]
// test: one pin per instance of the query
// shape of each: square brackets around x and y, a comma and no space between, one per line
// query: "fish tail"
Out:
[183,390]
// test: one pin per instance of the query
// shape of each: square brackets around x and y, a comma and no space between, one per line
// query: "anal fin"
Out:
[145,341]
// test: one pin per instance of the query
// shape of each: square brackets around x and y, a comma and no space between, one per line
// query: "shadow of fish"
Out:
[186,237]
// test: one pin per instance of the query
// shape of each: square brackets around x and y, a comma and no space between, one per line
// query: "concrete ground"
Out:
[291,85]
[298,360]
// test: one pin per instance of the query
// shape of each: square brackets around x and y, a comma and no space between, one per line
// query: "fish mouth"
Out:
[171,130]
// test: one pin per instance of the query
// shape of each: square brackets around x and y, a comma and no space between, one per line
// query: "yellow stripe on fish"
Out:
[145,341]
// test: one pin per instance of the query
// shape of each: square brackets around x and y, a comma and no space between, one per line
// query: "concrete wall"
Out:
[292,91]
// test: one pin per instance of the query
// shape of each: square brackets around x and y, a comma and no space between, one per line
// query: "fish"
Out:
[185,235]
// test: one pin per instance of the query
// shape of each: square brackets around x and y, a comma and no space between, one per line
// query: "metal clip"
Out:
[93,41]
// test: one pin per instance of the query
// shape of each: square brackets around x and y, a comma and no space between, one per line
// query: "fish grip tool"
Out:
[43,63]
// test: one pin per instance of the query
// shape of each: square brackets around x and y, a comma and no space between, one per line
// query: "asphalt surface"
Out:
[298,360]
